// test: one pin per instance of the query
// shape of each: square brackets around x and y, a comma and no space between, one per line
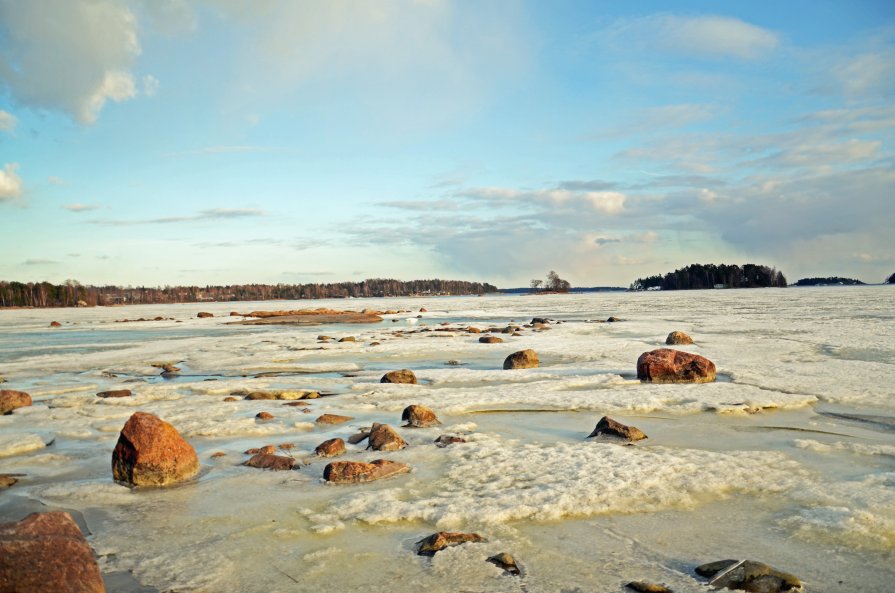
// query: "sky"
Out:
[172,142]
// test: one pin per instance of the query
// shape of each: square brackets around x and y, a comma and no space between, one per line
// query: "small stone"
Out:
[374,344]
[404,376]
[453,363]
[436,542]
[264,416]
[612,320]
[506,562]
[230,398]
[348,339]
[419,417]
[324,338]
[446,439]
[473,330]
[330,448]
[423,310]
[297,404]
[7,480]
[644,587]
[204,315]
[10,399]
[524,359]
[115,393]
[218,454]
[751,576]
[609,427]
[265,450]
[490,340]
[354,472]
[678,338]
[384,438]
[332,419]
[273,462]
[541,320]
[55,324]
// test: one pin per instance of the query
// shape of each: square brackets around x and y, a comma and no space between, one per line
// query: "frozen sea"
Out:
[789,458]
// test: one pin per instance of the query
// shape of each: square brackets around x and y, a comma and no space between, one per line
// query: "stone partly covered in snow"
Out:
[404,376]
[607,427]
[330,448]
[419,416]
[436,542]
[384,438]
[446,439]
[150,452]
[524,359]
[645,587]
[274,462]
[47,552]
[353,472]
[674,366]
[748,575]
[204,315]
[506,562]
[10,399]
[678,338]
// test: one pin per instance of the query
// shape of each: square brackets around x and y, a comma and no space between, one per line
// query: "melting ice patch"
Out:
[19,443]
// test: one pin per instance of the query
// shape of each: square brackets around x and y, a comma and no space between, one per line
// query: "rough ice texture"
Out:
[17,444]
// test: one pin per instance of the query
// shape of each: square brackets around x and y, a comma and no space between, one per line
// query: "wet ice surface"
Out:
[788,459]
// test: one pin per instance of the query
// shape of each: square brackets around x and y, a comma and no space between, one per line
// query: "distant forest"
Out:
[699,276]
[72,293]
[827,281]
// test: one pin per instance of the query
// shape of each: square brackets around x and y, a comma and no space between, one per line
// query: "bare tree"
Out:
[536,284]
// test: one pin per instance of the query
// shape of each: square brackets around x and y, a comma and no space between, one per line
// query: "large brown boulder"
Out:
[47,552]
[330,448]
[609,427]
[10,399]
[150,452]
[274,462]
[524,359]
[436,542]
[419,416]
[748,575]
[678,338]
[384,438]
[353,472]
[674,366]
[404,376]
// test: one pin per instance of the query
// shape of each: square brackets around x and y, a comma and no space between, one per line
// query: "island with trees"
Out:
[831,281]
[554,284]
[704,276]
[71,293]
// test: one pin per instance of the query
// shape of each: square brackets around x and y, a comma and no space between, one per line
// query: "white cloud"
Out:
[68,55]
[709,36]
[150,85]
[7,121]
[10,183]
[80,207]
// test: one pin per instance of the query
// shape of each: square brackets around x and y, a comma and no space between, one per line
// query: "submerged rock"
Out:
[384,438]
[490,340]
[404,376]
[8,480]
[429,546]
[10,399]
[115,393]
[330,448]
[359,437]
[47,552]
[524,359]
[230,398]
[613,320]
[272,462]
[674,366]
[446,439]
[150,452]
[419,416]
[748,575]
[644,587]
[332,419]
[678,338]
[609,427]
[506,562]
[354,472]
[264,416]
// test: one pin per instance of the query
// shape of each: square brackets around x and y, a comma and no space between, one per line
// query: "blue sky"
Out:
[172,142]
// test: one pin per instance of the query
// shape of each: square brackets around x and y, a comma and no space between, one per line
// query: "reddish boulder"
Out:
[47,552]
[609,427]
[524,359]
[115,393]
[674,366]
[55,324]
[150,452]
[384,438]
[353,472]
[274,462]
[436,542]
[332,419]
[330,448]
[204,315]
[10,399]
[404,376]
[419,417]
[679,338]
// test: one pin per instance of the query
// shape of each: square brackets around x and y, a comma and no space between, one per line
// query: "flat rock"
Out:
[490,340]
[330,448]
[55,324]
[674,366]
[150,452]
[419,416]
[266,450]
[645,587]
[749,575]
[46,552]
[353,472]
[359,437]
[272,462]
[204,315]
[348,339]
[332,419]
[446,439]
[678,338]
[261,395]
[384,438]
[524,359]
[609,427]
[404,376]
[115,393]
[436,542]
[10,399]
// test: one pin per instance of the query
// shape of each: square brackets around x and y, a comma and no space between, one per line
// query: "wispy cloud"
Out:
[201,216]
[80,207]
[39,262]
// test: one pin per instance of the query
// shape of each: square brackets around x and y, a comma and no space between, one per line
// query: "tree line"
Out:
[700,276]
[827,281]
[71,293]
